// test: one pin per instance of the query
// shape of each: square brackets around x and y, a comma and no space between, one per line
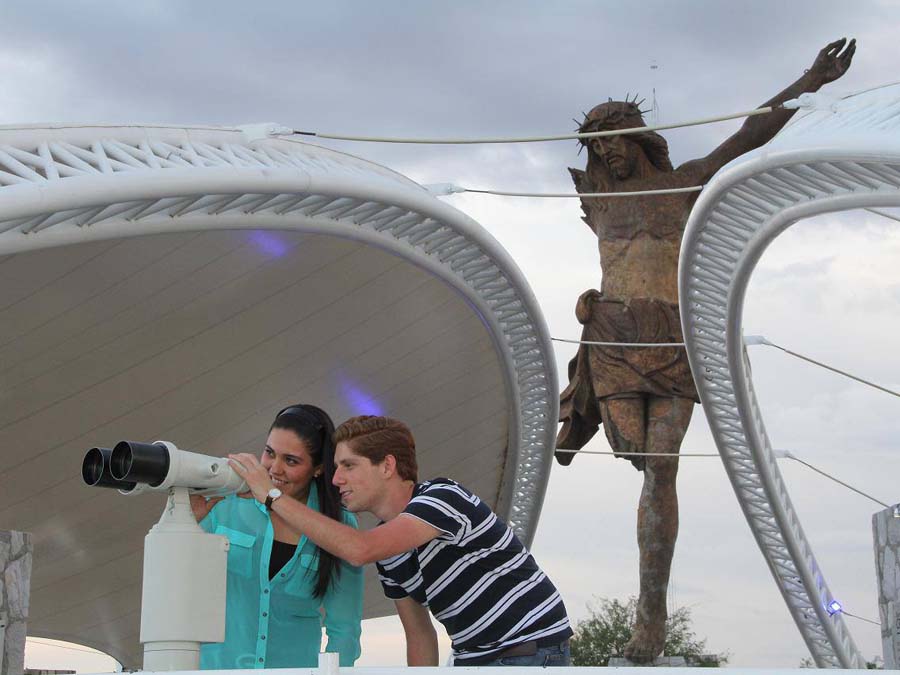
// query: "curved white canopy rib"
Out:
[842,158]
[85,187]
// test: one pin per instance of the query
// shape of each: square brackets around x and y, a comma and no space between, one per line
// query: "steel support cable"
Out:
[580,195]
[861,618]
[760,340]
[884,214]
[536,139]
[638,454]
[785,454]
[788,455]
[73,648]
[619,344]
[748,340]
[780,453]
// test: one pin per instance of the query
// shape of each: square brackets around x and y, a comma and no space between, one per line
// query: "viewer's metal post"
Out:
[886,529]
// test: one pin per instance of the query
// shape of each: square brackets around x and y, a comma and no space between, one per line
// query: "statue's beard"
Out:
[619,168]
[620,171]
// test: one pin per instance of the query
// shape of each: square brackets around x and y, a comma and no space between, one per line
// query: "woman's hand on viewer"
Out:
[201,506]
[247,466]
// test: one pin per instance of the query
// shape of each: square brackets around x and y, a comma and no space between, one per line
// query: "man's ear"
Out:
[389,466]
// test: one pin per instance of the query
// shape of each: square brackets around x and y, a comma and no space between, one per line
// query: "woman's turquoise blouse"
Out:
[278,623]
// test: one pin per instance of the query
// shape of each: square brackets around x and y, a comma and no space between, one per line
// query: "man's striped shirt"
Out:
[476,577]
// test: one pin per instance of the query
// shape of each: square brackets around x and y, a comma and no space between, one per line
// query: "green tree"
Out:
[607,630]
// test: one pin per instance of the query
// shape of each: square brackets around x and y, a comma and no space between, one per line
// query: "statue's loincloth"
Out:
[609,372]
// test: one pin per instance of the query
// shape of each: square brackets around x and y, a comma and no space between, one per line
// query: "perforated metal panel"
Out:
[840,157]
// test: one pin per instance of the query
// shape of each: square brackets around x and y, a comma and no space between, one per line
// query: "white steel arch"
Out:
[62,185]
[843,155]
[66,185]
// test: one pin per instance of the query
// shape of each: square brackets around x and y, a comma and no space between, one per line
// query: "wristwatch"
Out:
[274,494]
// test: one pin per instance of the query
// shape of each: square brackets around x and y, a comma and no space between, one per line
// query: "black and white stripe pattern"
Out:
[477,578]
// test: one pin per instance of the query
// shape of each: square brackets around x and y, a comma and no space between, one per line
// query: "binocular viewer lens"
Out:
[95,470]
[140,462]
[126,465]
[134,468]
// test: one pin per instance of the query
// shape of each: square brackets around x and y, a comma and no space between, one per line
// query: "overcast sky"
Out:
[828,287]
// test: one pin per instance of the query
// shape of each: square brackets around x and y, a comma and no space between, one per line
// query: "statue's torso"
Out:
[640,239]
[643,267]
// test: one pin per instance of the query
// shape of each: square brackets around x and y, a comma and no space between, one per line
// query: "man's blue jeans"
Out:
[556,655]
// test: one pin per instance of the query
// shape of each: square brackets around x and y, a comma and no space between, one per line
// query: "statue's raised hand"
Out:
[834,60]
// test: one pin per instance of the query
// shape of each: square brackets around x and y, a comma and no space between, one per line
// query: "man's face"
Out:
[618,153]
[359,481]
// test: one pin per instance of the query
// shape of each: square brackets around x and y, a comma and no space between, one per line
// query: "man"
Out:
[438,548]
[644,397]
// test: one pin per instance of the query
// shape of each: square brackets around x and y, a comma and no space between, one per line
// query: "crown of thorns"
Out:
[611,116]
[623,115]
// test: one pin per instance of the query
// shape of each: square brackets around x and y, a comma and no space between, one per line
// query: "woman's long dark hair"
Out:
[314,427]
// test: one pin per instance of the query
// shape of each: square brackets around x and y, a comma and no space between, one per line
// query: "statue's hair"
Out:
[627,115]
[375,438]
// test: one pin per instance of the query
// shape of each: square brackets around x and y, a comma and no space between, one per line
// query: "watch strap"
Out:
[270,499]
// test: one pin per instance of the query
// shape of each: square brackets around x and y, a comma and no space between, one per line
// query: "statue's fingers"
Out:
[844,60]
[834,47]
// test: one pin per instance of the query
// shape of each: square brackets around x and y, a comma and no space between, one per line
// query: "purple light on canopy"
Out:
[359,401]
[269,243]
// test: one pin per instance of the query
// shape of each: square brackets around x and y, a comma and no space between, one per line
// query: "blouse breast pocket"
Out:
[240,551]
[303,578]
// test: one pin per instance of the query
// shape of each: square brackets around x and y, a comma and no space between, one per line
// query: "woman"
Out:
[278,581]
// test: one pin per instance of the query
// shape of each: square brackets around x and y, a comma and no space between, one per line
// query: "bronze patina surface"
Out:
[644,397]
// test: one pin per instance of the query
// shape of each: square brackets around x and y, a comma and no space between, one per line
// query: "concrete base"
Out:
[15,586]
[886,528]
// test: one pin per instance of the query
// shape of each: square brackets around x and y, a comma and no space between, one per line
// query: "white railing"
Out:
[328,665]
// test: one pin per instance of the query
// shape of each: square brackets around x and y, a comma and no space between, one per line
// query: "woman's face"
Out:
[290,466]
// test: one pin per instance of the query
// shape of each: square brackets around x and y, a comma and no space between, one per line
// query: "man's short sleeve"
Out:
[391,588]
[443,506]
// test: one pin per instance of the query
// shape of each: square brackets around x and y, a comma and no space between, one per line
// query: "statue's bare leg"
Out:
[625,424]
[652,425]
[667,422]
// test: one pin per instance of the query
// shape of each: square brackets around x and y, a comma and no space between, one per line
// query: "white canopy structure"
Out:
[185,283]
[843,155]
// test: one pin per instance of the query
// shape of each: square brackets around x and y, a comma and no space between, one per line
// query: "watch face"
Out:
[274,493]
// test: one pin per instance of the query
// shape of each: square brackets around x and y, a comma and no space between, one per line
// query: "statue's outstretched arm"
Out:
[830,64]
